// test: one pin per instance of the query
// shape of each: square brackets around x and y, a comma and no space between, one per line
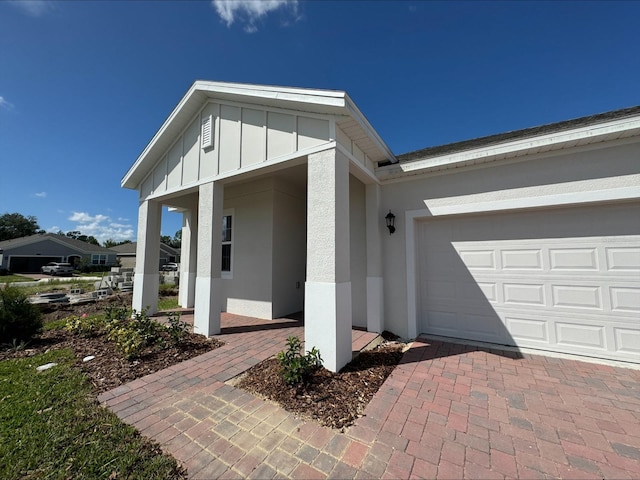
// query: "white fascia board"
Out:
[359,117]
[128,180]
[593,133]
[240,87]
[333,98]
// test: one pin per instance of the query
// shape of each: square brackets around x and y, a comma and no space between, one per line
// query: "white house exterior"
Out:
[530,238]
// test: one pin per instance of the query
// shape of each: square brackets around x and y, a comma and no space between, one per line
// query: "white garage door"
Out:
[566,280]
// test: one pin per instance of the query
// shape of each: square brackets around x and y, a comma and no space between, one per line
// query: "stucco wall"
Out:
[358,257]
[580,171]
[289,249]
[249,291]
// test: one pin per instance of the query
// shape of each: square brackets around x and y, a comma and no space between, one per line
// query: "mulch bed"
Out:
[110,368]
[334,400]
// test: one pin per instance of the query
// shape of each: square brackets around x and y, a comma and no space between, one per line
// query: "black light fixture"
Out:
[391,220]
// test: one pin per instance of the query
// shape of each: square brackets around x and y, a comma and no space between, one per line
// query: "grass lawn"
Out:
[168,303]
[14,278]
[51,427]
[53,285]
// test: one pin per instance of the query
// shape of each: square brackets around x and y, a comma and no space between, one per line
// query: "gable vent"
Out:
[207,132]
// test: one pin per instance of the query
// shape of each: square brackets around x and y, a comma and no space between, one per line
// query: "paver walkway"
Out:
[447,411]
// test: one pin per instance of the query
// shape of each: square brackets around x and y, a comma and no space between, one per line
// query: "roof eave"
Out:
[589,134]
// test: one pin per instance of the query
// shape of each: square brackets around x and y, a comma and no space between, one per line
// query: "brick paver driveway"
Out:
[447,411]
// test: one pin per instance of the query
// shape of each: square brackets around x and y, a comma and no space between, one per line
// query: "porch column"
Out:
[188,259]
[208,280]
[146,279]
[328,285]
[375,285]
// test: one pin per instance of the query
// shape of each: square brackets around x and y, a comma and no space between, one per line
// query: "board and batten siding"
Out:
[242,136]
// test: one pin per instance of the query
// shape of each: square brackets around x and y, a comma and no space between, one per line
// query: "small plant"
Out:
[84,326]
[128,339]
[19,318]
[112,313]
[294,365]
[132,335]
[176,328]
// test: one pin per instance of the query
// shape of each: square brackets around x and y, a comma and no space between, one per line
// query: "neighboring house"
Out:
[529,238]
[28,254]
[127,254]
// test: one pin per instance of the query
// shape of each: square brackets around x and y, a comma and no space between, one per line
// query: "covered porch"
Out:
[281,211]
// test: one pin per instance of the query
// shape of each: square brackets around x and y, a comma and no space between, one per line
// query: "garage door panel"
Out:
[443,323]
[528,329]
[627,341]
[625,299]
[523,294]
[478,259]
[574,296]
[623,259]
[486,328]
[580,336]
[581,259]
[477,292]
[566,280]
[522,259]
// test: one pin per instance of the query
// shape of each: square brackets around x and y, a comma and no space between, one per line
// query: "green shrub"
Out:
[133,335]
[112,312]
[176,328]
[19,319]
[85,326]
[294,365]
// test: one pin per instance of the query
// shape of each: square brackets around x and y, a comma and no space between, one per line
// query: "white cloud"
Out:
[4,103]
[41,194]
[101,227]
[250,10]
[34,8]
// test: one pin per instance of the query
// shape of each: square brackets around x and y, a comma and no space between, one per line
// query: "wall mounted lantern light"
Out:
[391,220]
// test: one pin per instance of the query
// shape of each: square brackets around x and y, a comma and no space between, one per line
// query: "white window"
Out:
[227,245]
[100,259]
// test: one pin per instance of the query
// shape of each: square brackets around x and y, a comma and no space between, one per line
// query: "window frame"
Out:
[98,257]
[228,274]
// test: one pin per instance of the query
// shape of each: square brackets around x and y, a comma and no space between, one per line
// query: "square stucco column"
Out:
[146,278]
[188,257]
[208,297]
[328,286]
[375,284]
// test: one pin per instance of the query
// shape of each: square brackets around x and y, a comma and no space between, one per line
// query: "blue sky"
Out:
[85,85]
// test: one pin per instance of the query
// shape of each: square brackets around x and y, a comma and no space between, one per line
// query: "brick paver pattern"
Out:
[447,411]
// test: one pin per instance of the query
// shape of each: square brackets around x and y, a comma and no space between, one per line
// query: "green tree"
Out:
[177,239]
[16,225]
[112,243]
[174,242]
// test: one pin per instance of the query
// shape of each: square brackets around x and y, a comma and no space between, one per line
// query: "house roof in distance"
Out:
[126,249]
